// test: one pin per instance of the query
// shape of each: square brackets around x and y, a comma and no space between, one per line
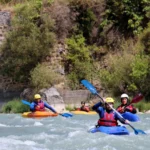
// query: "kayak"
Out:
[79,112]
[131,117]
[39,114]
[115,130]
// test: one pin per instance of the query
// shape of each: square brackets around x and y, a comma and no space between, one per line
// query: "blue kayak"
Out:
[117,130]
[131,117]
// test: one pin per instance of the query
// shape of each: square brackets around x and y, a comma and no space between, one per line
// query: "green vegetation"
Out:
[106,42]
[43,77]
[70,108]
[14,106]
[78,61]
[29,42]
[131,16]
[142,106]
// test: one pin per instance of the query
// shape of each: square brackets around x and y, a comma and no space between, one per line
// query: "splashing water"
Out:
[59,133]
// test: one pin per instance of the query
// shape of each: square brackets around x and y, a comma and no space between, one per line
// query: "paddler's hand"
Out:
[127,122]
[121,110]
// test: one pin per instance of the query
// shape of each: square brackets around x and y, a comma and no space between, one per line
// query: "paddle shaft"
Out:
[110,106]
[93,90]
[136,132]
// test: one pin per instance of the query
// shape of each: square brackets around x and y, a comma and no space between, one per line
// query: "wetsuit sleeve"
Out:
[95,107]
[49,107]
[100,110]
[32,106]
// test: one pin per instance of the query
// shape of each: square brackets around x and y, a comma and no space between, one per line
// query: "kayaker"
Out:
[84,107]
[108,117]
[125,105]
[39,105]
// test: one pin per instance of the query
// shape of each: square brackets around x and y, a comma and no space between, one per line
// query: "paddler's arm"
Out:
[49,107]
[32,106]
[95,107]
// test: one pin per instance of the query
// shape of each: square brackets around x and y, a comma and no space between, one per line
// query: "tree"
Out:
[28,43]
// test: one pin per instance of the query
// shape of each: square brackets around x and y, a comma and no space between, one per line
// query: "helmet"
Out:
[110,100]
[37,96]
[124,96]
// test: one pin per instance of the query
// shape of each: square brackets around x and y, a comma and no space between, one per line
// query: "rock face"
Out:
[4,24]
[53,98]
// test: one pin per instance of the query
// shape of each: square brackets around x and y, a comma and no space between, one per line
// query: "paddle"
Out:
[93,90]
[62,114]
[25,102]
[137,98]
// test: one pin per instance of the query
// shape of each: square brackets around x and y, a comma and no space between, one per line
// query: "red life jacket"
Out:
[120,109]
[40,107]
[130,108]
[108,120]
[85,108]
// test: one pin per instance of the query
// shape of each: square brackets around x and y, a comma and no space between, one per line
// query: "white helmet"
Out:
[124,96]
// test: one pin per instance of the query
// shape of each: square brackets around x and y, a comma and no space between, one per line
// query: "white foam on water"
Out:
[38,124]
[3,125]
[67,134]
[12,142]
[73,134]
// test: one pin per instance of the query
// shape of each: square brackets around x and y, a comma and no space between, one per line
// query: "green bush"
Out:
[70,108]
[30,40]
[145,40]
[43,77]
[129,16]
[143,106]
[78,61]
[116,76]
[129,72]
[14,106]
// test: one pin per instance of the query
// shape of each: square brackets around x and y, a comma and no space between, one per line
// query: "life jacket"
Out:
[41,105]
[108,120]
[85,108]
[120,109]
[129,108]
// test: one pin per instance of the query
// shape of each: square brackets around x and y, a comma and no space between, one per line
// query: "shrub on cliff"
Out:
[126,73]
[78,63]
[30,40]
[43,77]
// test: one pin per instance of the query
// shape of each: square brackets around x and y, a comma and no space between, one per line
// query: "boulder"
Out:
[147,112]
[53,98]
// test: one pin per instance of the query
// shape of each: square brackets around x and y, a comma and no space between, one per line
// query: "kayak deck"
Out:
[131,117]
[39,114]
[79,112]
[117,130]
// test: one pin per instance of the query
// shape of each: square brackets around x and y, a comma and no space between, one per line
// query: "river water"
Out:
[59,133]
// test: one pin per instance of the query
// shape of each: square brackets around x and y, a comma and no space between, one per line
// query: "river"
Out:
[60,133]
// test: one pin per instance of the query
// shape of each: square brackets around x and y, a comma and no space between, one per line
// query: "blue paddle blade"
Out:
[89,86]
[67,115]
[137,131]
[25,102]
